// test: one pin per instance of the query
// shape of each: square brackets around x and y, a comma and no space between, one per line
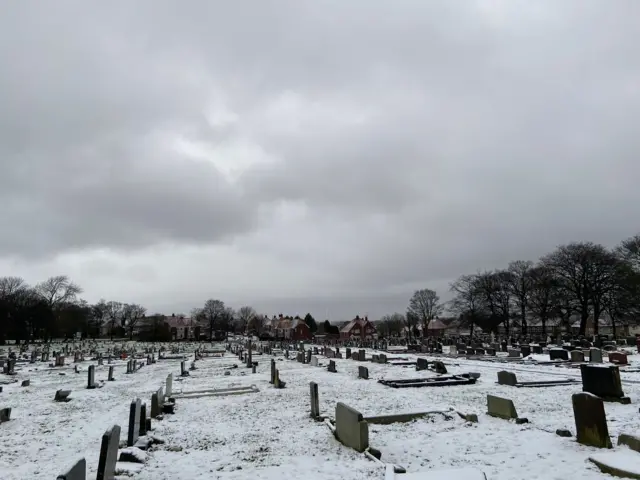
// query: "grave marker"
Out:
[363,372]
[77,472]
[422,364]
[109,454]
[143,420]
[351,428]
[332,366]
[315,400]
[595,355]
[133,431]
[603,381]
[169,385]
[5,414]
[507,378]
[591,420]
[91,374]
[501,407]
[62,395]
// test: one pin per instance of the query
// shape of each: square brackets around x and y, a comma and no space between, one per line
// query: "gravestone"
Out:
[577,355]
[347,353]
[183,369]
[501,407]
[133,431]
[591,420]
[439,367]
[507,378]
[273,371]
[603,381]
[595,355]
[315,400]
[157,401]
[351,428]
[525,350]
[77,472]
[91,377]
[421,364]
[558,354]
[363,372]
[143,420]
[314,361]
[277,383]
[62,395]
[332,366]
[110,378]
[618,358]
[169,385]
[5,414]
[513,353]
[109,454]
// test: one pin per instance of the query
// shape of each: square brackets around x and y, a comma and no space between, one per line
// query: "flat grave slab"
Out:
[443,381]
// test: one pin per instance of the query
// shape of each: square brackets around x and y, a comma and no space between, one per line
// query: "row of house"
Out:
[295,328]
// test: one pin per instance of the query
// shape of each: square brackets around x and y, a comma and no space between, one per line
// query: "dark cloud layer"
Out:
[417,140]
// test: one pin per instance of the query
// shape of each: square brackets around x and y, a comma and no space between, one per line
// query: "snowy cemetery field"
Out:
[270,434]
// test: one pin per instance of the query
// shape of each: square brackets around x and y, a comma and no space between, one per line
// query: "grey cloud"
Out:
[428,139]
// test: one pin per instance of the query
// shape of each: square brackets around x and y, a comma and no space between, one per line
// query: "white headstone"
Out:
[169,385]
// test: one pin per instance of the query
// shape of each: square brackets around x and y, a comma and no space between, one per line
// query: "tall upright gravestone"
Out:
[133,431]
[109,454]
[591,420]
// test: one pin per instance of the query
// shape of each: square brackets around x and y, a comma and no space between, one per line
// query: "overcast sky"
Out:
[322,155]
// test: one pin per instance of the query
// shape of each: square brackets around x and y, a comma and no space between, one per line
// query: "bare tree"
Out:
[467,299]
[496,296]
[58,290]
[11,286]
[392,324]
[520,282]
[132,314]
[425,306]
[215,313]
[99,313]
[244,317]
[585,271]
[629,250]
[113,316]
[623,299]
[542,295]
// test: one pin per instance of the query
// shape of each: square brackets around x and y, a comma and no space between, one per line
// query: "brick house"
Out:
[288,328]
[358,328]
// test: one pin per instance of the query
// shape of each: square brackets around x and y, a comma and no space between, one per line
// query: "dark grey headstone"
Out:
[558,354]
[62,395]
[143,419]
[109,454]
[5,414]
[91,377]
[591,420]
[422,364]
[133,432]
[507,378]
[439,367]
[601,381]
[363,372]
[77,472]
[315,400]
[332,366]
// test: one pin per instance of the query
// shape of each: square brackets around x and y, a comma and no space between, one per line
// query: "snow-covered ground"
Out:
[269,435]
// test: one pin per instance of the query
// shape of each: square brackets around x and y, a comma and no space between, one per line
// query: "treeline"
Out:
[580,280]
[54,309]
